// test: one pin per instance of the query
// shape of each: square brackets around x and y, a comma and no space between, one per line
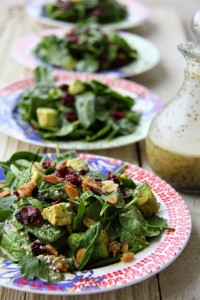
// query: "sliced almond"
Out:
[109,186]
[79,255]
[88,222]
[71,191]
[25,190]
[51,178]
[4,193]
[112,200]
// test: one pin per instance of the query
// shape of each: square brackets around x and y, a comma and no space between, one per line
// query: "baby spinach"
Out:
[87,48]
[109,11]
[105,208]
[94,112]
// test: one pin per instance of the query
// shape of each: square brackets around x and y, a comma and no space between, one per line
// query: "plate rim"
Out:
[119,25]
[151,179]
[141,130]
[21,50]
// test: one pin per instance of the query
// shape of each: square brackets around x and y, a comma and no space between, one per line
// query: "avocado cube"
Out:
[58,214]
[47,117]
[145,200]
[76,87]
[70,63]
[77,164]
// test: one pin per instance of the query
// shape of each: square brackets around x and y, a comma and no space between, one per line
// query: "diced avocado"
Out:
[76,87]
[58,214]
[37,172]
[70,63]
[77,164]
[100,250]
[146,200]
[47,117]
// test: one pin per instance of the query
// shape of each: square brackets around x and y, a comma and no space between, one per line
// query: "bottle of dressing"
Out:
[173,140]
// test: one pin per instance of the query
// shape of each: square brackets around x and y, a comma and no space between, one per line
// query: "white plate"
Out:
[11,123]
[137,13]
[148,54]
[157,256]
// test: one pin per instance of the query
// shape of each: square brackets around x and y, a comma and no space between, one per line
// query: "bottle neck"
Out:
[192,71]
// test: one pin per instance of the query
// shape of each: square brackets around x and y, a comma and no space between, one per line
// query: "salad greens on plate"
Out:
[58,215]
[79,110]
[86,49]
[75,11]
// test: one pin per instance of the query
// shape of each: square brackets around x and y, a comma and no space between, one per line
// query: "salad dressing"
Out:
[173,141]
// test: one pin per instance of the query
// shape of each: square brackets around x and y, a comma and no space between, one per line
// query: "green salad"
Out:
[87,111]
[58,215]
[75,11]
[86,49]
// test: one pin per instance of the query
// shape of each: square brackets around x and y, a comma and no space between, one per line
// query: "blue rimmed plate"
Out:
[146,103]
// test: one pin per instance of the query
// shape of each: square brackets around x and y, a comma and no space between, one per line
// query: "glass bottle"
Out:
[173,140]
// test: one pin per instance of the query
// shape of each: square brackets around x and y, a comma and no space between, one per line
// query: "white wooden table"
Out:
[181,280]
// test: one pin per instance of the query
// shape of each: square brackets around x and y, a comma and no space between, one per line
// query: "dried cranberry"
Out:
[46,164]
[16,193]
[64,87]
[73,179]
[38,248]
[117,114]
[67,99]
[97,12]
[73,39]
[94,190]
[71,116]
[83,172]
[72,32]
[62,171]
[56,202]
[29,215]
[65,5]
[113,177]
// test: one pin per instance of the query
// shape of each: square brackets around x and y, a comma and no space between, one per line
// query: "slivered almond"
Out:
[71,192]
[4,193]
[51,178]
[25,190]
[79,255]
[109,186]
[112,200]
[88,222]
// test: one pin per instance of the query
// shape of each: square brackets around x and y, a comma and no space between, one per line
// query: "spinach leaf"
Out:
[85,107]
[51,191]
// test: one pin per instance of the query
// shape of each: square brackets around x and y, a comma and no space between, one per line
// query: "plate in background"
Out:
[148,54]
[137,14]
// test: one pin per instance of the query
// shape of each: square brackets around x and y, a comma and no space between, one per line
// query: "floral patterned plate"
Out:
[12,124]
[157,256]
[137,13]
[148,54]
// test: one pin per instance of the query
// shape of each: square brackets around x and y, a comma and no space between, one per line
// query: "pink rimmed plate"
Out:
[160,253]
[148,54]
